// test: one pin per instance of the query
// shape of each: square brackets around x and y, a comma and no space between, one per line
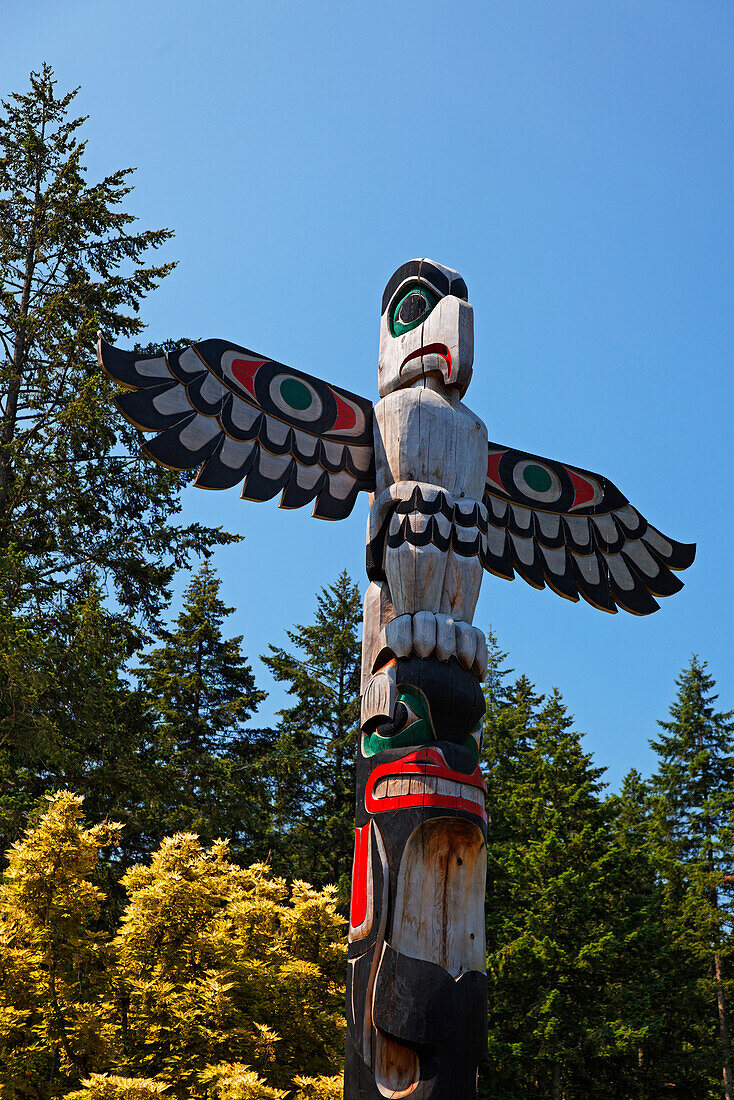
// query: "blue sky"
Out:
[572,160]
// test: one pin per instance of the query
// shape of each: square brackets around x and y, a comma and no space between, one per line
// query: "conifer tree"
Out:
[201,693]
[548,944]
[91,732]
[313,761]
[71,262]
[79,507]
[694,818]
[645,1022]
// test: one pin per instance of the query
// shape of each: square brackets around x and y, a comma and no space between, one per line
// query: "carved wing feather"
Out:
[574,531]
[241,417]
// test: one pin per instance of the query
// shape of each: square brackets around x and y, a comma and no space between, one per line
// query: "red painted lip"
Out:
[429,349]
[430,766]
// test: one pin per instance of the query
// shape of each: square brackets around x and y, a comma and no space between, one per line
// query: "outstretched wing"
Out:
[574,531]
[244,418]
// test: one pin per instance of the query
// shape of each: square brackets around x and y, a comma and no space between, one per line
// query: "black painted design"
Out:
[424,269]
[574,531]
[241,417]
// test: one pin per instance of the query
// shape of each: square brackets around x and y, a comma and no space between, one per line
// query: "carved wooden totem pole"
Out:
[444,506]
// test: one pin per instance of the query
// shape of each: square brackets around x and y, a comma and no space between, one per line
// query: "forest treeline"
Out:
[175,876]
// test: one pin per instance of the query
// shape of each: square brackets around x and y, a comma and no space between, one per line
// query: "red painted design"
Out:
[358,910]
[425,762]
[346,417]
[584,491]
[245,370]
[493,468]
[429,349]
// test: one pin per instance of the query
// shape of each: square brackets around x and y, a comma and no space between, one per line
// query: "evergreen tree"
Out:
[71,499]
[201,693]
[644,1042]
[91,732]
[694,819]
[313,763]
[79,507]
[547,934]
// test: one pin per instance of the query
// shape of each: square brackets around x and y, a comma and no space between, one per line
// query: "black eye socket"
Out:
[412,309]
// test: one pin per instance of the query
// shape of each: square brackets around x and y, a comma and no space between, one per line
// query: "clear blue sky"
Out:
[572,160]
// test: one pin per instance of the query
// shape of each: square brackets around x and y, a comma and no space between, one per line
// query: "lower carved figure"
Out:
[416,987]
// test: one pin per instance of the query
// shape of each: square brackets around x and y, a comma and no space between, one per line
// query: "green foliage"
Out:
[74,720]
[693,840]
[80,510]
[200,693]
[608,919]
[71,497]
[220,981]
[313,765]
[548,949]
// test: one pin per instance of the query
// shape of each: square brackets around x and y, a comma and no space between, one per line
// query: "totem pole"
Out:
[444,506]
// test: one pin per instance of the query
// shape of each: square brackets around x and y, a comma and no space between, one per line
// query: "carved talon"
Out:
[426,633]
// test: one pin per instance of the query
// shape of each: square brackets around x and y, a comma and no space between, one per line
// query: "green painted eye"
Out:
[415,729]
[412,309]
[295,394]
[537,477]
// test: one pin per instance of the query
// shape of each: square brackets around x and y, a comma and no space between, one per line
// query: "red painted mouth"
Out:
[429,349]
[424,778]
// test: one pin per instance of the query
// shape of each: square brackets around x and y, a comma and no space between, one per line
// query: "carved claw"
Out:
[425,634]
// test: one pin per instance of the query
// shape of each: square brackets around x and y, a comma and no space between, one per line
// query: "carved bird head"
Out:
[427,327]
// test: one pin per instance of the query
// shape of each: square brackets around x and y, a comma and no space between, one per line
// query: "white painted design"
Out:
[550,523]
[641,556]
[272,466]
[653,538]
[190,363]
[525,548]
[550,495]
[200,431]
[314,410]
[153,368]
[620,572]
[523,516]
[341,484]
[172,401]
[556,559]
[233,452]
[579,529]
[212,389]
[589,567]
[244,415]
[607,528]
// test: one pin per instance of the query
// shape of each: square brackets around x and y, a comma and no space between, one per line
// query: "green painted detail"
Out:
[397,327]
[537,478]
[418,731]
[473,742]
[296,394]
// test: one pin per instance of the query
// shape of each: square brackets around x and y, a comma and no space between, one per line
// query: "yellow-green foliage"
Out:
[103,1086]
[219,982]
[319,1088]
